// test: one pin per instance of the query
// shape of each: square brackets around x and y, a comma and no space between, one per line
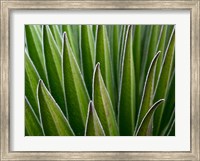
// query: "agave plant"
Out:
[99,80]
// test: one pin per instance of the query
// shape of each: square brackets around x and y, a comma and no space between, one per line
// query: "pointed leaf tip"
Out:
[93,124]
[53,120]
[143,128]
[103,104]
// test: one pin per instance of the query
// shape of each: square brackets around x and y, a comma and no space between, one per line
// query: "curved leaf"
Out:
[147,97]
[104,58]
[93,124]
[153,44]
[75,89]
[32,124]
[88,55]
[163,81]
[54,70]
[145,48]
[161,47]
[31,82]
[103,104]
[143,127]
[34,45]
[53,120]
[127,90]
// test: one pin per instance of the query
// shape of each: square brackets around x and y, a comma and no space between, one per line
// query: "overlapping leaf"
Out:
[143,127]
[53,65]
[88,55]
[34,45]
[53,120]
[147,97]
[127,90]
[161,88]
[103,104]
[93,124]
[75,89]
[131,79]
[31,82]
[32,124]
[104,58]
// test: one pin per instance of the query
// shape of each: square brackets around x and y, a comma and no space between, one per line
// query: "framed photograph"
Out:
[100,80]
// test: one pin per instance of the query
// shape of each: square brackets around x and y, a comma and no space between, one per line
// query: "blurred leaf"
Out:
[147,97]
[103,104]
[88,55]
[127,90]
[104,58]
[31,82]
[161,47]
[54,70]
[32,124]
[57,36]
[34,45]
[93,124]
[172,129]
[75,89]
[169,103]
[168,35]
[53,120]
[143,127]
[163,81]
[94,30]
[168,127]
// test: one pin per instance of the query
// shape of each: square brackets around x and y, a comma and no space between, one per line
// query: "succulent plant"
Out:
[99,80]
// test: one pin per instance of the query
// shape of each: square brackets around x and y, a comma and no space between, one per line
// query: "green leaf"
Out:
[145,48]
[121,51]
[169,103]
[94,31]
[75,89]
[34,45]
[72,35]
[116,54]
[88,55]
[147,97]
[103,56]
[143,127]
[103,104]
[31,82]
[54,70]
[137,42]
[93,124]
[57,36]
[53,120]
[172,129]
[168,127]
[32,124]
[153,45]
[169,32]
[161,47]
[127,89]
[162,85]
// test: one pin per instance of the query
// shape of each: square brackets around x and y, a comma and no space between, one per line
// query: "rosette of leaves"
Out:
[99,80]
